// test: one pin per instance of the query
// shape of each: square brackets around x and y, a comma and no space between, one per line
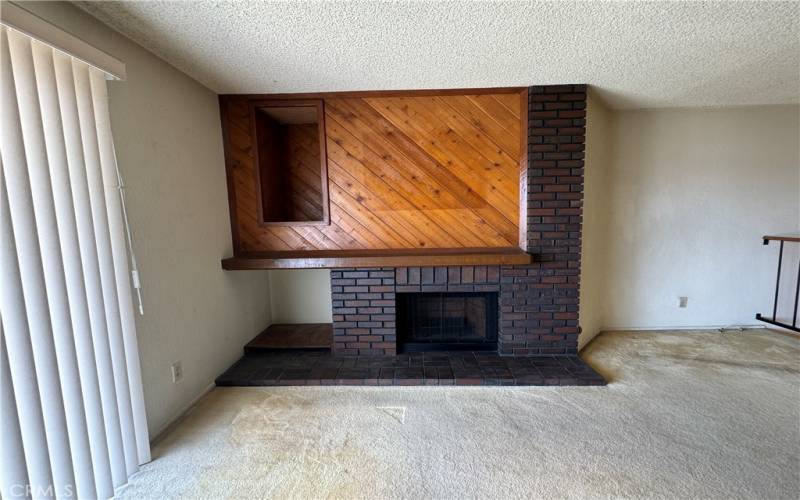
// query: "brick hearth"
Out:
[429,368]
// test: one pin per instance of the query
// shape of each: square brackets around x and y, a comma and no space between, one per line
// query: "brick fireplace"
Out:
[538,303]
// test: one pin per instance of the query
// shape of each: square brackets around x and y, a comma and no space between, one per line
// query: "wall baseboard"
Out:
[179,415]
[690,327]
[666,328]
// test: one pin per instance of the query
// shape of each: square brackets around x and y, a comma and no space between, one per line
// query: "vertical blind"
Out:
[73,420]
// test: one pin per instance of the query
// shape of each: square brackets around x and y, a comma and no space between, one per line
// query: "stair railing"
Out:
[774,319]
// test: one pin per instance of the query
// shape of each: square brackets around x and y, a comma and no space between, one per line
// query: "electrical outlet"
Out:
[683,302]
[177,372]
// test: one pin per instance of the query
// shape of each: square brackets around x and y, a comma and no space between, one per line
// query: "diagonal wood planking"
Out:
[431,171]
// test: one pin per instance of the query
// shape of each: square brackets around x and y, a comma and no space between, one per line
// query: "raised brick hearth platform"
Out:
[429,368]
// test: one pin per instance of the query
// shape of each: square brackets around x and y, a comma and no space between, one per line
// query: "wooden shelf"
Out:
[308,336]
[377,258]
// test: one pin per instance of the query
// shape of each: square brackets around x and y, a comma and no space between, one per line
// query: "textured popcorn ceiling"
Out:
[637,54]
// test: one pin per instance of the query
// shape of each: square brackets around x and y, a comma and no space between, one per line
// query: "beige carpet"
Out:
[693,414]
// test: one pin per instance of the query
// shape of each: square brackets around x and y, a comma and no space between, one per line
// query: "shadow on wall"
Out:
[595,218]
[300,296]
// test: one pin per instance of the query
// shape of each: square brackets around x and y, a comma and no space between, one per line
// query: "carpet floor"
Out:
[689,414]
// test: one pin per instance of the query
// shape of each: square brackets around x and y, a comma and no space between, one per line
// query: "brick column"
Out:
[539,303]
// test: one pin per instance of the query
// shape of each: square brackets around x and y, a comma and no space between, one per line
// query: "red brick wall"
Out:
[539,302]
[364,311]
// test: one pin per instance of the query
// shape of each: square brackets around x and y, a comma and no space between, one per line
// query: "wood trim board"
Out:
[377,258]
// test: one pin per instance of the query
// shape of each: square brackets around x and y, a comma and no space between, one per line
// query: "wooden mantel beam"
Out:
[376,258]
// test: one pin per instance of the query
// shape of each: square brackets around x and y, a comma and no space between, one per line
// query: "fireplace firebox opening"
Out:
[453,321]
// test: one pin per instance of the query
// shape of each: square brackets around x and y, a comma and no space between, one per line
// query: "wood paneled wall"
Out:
[404,171]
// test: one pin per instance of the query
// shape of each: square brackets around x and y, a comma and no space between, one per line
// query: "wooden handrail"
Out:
[785,237]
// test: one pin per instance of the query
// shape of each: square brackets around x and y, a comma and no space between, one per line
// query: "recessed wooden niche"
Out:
[292,174]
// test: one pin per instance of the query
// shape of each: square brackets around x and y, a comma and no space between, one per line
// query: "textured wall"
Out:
[169,146]
[595,219]
[300,295]
[690,193]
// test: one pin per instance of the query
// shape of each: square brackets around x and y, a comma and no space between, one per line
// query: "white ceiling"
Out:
[637,54]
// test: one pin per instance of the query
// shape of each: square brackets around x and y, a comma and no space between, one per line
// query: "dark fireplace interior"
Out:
[447,321]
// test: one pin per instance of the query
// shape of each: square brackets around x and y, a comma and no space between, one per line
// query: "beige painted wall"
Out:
[301,296]
[688,194]
[169,145]
[595,218]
